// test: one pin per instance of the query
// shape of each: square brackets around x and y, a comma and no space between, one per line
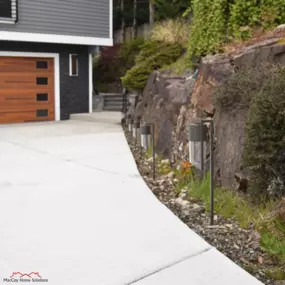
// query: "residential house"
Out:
[46,51]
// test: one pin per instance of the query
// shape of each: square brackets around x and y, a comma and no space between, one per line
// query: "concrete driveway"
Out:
[74,210]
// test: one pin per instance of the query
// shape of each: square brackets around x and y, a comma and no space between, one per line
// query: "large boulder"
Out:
[160,104]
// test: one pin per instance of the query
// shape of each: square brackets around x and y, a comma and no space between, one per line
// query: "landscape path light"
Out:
[136,129]
[198,138]
[145,135]
[130,125]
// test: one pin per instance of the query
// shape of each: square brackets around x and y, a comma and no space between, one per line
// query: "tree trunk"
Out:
[134,30]
[151,12]
[123,25]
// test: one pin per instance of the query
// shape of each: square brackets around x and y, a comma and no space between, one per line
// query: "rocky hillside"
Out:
[171,102]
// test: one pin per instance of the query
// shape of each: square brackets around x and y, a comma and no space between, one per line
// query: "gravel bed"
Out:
[240,245]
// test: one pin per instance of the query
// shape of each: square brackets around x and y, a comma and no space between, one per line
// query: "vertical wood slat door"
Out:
[26,89]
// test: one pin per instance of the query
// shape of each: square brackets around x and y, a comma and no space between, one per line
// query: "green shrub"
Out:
[209,27]
[216,22]
[260,92]
[128,52]
[166,9]
[237,92]
[265,135]
[253,13]
[153,55]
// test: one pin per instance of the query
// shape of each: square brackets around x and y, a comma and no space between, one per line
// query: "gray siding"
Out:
[88,18]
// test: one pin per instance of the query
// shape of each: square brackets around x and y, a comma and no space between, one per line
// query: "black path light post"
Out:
[136,130]
[153,151]
[198,137]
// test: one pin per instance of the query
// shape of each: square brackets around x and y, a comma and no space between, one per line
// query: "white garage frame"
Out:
[55,56]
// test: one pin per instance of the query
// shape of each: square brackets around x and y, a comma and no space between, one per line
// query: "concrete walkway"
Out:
[74,210]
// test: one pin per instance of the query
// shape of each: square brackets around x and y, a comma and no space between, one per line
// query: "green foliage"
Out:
[260,92]
[201,189]
[218,21]
[276,274]
[110,69]
[153,55]
[243,13]
[178,67]
[265,135]
[237,92]
[273,245]
[128,52]
[255,13]
[209,26]
[231,205]
[167,9]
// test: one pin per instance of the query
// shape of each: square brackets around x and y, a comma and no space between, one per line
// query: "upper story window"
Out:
[8,11]
[73,65]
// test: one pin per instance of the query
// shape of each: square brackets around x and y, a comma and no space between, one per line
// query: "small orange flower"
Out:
[186,165]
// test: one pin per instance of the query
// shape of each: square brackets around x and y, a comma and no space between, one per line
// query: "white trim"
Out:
[55,56]
[70,64]
[111,19]
[7,21]
[90,83]
[13,18]
[48,38]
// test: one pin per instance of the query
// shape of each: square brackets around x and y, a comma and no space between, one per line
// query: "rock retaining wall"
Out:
[171,102]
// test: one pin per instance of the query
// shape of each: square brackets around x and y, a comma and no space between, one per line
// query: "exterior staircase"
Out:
[112,102]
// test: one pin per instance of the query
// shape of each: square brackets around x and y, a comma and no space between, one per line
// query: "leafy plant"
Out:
[153,55]
[216,22]
[167,9]
[265,135]
[209,27]
[128,52]
[231,205]
[260,93]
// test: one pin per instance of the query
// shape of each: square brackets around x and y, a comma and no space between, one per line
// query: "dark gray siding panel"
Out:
[74,90]
[88,18]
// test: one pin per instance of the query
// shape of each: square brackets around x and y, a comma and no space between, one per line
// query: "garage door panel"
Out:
[26,81]
[15,103]
[9,97]
[26,89]
[13,64]
[24,116]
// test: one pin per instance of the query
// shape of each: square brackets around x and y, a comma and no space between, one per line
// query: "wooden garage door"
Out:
[26,89]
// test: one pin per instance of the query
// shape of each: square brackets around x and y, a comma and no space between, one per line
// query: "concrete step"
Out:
[112,96]
[113,104]
[106,99]
[98,117]
[113,108]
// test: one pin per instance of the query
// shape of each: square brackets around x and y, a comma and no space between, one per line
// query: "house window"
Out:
[41,64]
[42,113]
[42,81]
[73,65]
[8,11]
[42,97]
